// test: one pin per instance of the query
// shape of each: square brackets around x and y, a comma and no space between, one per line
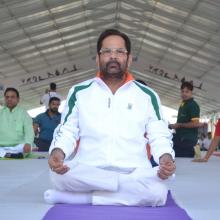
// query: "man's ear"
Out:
[97,61]
[129,60]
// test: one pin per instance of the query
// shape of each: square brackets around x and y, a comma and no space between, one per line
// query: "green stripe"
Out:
[72,100]
[153,99]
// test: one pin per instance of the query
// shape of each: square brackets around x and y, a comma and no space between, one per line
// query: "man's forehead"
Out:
[55,102]
[185,89]
[11,93]
[113,39]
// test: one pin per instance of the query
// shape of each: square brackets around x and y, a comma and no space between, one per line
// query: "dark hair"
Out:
[187,85]
[53,86]
[141,81]
[110,32]
[11,89]
[54,99]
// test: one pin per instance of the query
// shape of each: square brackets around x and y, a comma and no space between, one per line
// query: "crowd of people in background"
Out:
[19,133]
[185,130]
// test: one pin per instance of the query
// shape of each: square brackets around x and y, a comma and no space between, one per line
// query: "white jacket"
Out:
[111,127]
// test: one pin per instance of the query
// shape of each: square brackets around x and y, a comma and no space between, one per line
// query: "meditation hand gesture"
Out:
[56,160]
[167,166]
[27,148]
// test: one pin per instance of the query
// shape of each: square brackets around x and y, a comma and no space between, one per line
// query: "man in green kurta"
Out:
[16,130]
[187,125]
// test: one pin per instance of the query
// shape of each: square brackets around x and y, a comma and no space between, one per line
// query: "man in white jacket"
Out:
[110,115]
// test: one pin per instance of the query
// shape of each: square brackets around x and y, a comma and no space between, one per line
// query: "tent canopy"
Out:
[43,41]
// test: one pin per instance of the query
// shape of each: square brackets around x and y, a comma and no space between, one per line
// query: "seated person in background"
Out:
[214,144]
[205,141]
[110,115]
[45,123]
[16,131]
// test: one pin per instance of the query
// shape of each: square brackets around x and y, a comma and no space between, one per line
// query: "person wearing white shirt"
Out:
[109,115]
[206,141]
[49,94]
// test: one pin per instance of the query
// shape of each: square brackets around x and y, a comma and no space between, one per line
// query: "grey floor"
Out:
[22,183]
[197,188]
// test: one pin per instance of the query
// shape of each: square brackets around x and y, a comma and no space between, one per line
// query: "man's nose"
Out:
[114,54]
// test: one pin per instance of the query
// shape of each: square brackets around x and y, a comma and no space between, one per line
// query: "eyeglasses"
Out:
[119,52]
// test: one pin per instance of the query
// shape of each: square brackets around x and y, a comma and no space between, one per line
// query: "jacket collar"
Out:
[129,77]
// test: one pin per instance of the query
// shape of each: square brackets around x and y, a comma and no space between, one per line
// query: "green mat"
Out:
[29,156]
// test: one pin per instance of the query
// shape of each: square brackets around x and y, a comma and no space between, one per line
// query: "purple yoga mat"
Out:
[171,211]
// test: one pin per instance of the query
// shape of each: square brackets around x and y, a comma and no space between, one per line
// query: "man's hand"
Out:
[167,166]
[55,161]
[27,148]
[202,160]
[191,124]
[174,126]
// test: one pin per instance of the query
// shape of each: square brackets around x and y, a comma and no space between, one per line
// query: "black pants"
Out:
[43,145]
[183,147]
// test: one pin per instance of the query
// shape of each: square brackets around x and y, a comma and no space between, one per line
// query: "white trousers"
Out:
[84,184]
[11,149]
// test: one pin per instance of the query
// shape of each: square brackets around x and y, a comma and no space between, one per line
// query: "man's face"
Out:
[54,106]
[186,94]
[11,99]
[113,64]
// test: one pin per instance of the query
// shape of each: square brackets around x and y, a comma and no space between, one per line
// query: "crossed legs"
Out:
[90,185]
[11,150]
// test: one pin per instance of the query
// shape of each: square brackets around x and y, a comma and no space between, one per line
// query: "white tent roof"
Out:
[43,41]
